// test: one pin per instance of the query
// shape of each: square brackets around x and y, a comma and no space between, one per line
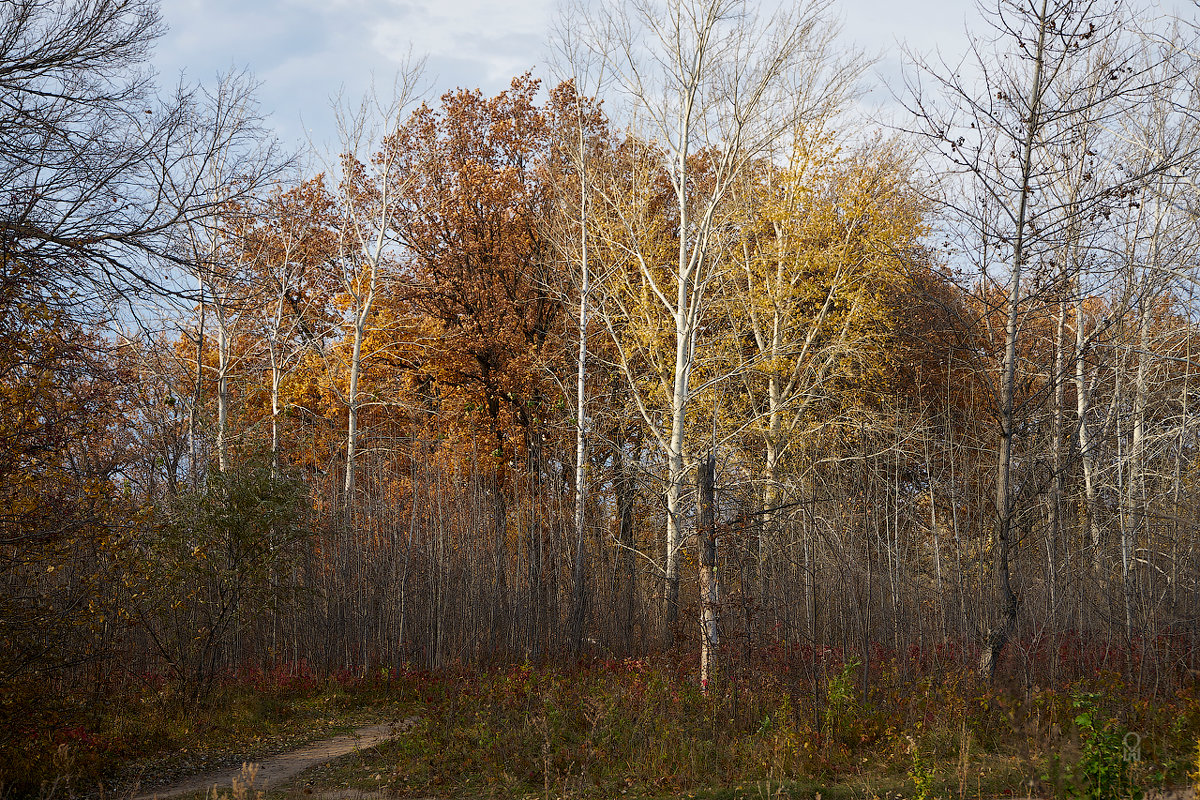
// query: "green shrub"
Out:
[1102,771]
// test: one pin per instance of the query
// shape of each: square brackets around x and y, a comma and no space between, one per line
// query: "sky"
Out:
[307,53]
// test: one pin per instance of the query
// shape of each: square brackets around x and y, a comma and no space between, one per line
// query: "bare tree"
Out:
[104,179]
[723,78]
[231,171]
[98,169]
[1055,65]
[1156,247]
[585,126]
[286,240]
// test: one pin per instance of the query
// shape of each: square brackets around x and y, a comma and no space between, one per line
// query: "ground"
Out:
[278,770]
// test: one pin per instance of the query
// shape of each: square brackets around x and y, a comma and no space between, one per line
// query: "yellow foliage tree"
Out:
[825,245]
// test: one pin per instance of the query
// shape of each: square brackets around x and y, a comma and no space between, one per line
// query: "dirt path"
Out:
[282,768]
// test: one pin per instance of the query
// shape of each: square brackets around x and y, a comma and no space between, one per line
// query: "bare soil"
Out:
[278,770]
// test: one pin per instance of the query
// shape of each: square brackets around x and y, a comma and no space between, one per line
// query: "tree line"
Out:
[670,350]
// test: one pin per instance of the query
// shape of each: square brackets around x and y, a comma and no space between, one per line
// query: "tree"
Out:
[715,84]
[98,169]
[366,244]
[212,562]
[470,221]
[1058,65]
[582,137]
[480,280]
[827,242]
[100,173]
[210,247]
[1157,247]
[286,239]
[65,397]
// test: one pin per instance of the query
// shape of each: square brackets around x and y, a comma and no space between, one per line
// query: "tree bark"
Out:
[625,488]
[579,576]
[710,588]
[999,634]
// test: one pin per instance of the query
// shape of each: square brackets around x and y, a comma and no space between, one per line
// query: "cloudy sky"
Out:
[304,52]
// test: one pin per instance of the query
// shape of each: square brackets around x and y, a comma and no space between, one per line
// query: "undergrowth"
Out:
[89,743]
[635,727]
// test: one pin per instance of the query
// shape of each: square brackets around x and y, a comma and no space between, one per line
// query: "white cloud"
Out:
[308,51]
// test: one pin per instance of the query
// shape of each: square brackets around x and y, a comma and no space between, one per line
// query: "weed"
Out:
[1194,773]
[638,728]
[242,786]
[964,758]
[1102,771]
[841,699]
[920,772]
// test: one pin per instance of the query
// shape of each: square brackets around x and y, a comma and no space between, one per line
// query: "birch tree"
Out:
[584,138]
[713,85]
[825,241]
[285,240]
[365,247]
[1158,245]
[232,170]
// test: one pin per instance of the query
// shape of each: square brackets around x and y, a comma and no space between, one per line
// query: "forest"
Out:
[667,391]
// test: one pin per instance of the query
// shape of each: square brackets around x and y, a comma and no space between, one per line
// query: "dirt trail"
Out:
[279,769]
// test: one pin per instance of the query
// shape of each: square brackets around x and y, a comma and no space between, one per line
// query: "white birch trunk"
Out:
[710,587]
[276,380]
[223,363]
[1087,452]
[581,418]
[197,392]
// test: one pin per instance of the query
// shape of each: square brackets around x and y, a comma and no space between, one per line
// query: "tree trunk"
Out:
[999,634]
[223,358]
[273,345]
[578,592]
[624,488]
[1087,455]
[276,377]
[771,493]
[197,395]
[685,335]
[352,406]
[710,589]
[1058,485]
[1135,489]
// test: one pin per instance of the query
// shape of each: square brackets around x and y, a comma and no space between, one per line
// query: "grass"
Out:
[376,771]
[150,737]
[643,729]
[639,730]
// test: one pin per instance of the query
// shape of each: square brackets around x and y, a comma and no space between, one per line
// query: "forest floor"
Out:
[282,768]
[320,771]
[631,730]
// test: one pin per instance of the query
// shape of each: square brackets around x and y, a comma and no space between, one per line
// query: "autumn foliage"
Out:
[345,432]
